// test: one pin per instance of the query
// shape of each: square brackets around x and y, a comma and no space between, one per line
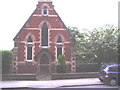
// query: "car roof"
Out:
[114,65]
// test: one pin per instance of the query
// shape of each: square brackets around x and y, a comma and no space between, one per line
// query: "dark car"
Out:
[110,74]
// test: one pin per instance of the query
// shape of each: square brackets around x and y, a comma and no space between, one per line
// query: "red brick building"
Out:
[41,40]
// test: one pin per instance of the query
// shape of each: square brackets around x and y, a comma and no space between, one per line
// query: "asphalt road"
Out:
[67,83]
[91,86]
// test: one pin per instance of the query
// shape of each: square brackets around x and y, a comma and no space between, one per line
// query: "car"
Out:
[110,74]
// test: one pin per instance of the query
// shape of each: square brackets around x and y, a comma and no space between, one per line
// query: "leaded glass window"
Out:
[44,35]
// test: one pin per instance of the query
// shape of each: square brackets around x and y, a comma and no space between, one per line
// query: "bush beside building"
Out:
[7,58]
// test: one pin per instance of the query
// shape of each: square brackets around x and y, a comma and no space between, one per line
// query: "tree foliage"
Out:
[99,45]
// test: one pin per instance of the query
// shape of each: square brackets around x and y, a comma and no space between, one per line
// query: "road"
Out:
[91,86]
[68,83]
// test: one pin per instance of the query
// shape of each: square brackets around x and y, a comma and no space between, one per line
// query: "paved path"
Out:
[50,83]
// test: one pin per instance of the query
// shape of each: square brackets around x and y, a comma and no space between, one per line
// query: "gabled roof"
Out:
[37,20]
[23,26]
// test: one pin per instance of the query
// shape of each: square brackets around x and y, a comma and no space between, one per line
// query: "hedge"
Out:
[7,58]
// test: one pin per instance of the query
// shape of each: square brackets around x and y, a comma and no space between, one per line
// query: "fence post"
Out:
[73,64]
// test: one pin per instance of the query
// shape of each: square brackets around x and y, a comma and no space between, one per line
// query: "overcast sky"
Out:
[84,14]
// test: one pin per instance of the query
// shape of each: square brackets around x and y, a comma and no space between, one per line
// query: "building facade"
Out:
[41,40]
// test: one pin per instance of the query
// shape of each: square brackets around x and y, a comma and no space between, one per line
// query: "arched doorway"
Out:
[44,60]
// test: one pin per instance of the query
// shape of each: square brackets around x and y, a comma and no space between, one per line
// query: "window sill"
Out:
[45,46]
[45,14]
[28,60]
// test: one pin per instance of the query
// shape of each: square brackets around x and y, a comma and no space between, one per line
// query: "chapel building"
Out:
[41,40]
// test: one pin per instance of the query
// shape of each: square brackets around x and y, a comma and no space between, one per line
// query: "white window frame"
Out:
[43,11]
[29,44]
[56,50]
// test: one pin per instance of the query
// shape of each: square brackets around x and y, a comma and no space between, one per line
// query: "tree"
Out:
[104,44]
[99,45]
[7,58]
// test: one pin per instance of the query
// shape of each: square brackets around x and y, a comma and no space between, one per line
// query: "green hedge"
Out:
[87,68]
[61,65]
[7,58]
[62,68]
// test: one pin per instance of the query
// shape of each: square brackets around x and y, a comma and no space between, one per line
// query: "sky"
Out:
[83,14]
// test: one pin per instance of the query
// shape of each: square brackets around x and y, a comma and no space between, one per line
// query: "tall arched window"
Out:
[59,47]
[44,35]
[29,49]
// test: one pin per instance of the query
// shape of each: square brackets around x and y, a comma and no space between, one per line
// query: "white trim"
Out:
[56,38]
[42,11]
[60,29]
[53,16]
[27,36]
[31,28]
[25,52]
[63,52]
[45,1]
[38,15]
[57,53]
[25,42]
[45,46]
[59,43]
[63,47]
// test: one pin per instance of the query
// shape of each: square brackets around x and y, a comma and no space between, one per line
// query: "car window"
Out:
[119,68]
[113,69]
[103,66]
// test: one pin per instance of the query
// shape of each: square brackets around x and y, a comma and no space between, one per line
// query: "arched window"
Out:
[29,49]
[59,47]
[44,35]
[29,39]
[45,10]
[59,40]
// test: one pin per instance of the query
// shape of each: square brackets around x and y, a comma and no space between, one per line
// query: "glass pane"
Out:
[44,35]
[29,39]
[59,51]
[45,10]
[59,40]
[29,53]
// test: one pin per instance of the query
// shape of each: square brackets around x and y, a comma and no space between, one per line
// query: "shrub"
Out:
[61,65]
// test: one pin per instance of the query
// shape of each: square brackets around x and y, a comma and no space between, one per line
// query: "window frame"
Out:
[61,51]
[42,45]
[47,11]
[29,44]
[58,44]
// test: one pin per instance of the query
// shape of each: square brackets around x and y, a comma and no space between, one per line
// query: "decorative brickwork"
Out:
[44,14]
